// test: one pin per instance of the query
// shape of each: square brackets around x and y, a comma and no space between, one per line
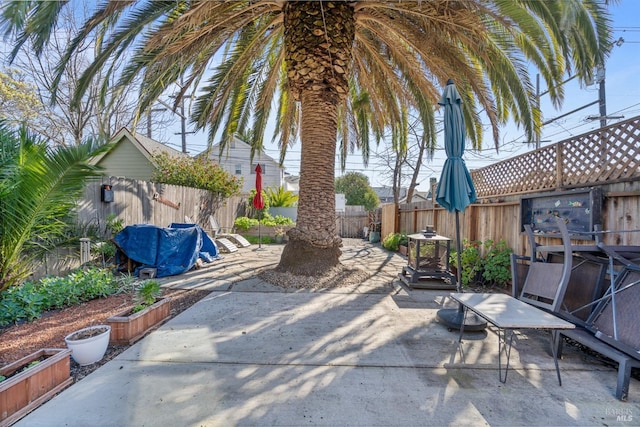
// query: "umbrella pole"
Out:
[454,318]
[458,254]
[259,229]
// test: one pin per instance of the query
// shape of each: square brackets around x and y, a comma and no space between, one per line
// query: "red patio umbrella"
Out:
[258,201]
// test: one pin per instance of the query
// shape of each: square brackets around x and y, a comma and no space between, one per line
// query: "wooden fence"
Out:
[351,222]
[607,155]
[608,159]
[501,220]
[141,202]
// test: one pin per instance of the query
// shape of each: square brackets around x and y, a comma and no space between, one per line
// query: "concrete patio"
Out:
[369,355]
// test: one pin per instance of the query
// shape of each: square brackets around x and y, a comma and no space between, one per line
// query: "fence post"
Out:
[559,166]
[85,250]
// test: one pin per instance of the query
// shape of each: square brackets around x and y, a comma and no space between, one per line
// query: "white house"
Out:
[235,160]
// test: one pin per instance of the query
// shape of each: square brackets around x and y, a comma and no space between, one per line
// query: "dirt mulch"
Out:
[49,330]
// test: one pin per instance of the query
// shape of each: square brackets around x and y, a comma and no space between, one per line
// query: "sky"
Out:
[622,101]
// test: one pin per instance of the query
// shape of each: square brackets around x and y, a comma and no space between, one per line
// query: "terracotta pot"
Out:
[27,389]
[127,328]
[87,346]
[403,249]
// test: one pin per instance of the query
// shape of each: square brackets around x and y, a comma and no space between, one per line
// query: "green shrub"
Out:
[392,241]
[270,221]
[196,172]
[496,265]
[492,269]
[280,197]
[114,225]
[106,250]
[146,295]
[244,223]
[470,259]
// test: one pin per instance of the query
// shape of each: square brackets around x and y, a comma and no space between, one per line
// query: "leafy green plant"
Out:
[31,365]
[29,300]
[113,225]
[278,220]
[244,223]
[471,261]
[392,241]
[106,250]
[198,172]
[146,295]
[496,265]
[280,197]
[39,187]
[492,269]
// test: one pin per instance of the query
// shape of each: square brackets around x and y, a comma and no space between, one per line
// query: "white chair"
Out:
[224,244]
[218,232]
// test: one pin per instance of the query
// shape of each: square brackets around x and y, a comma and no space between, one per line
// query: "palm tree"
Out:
[337,73]
[38,191]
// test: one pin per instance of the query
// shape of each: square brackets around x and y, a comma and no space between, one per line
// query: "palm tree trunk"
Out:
[314,246]
[318,41]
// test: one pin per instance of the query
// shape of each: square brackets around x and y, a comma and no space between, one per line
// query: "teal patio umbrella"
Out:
[455,192]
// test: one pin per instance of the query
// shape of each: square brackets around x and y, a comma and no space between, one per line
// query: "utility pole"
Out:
[602,97]
[538,107]
[183,126]
[183,122]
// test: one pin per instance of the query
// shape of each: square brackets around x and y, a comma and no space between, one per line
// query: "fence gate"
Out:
[351,222]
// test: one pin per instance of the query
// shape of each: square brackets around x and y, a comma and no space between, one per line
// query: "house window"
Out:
[238,169]
[262,166]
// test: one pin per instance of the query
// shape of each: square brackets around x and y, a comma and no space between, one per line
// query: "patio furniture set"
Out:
[586,293]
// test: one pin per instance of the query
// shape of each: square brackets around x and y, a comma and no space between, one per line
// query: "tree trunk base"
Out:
[303,258]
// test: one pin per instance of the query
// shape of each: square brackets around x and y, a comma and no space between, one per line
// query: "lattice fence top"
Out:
[608,154]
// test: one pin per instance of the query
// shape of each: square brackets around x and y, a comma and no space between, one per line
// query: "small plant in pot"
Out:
[146,295]
[132,324]
[278,234]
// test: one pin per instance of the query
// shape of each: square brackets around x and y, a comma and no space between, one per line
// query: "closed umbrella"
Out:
[455,192]
[258,201]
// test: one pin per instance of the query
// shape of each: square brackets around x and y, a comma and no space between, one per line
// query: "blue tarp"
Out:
[171,251]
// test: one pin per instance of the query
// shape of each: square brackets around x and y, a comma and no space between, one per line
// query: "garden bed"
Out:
[49,330]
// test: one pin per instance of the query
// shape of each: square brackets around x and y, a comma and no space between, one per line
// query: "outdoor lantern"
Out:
[106,193]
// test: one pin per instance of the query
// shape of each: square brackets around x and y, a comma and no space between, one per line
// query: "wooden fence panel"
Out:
[621,211]
[606,155]
[388,215]
[608,158]
[141,202]
[351,222]
[497,221]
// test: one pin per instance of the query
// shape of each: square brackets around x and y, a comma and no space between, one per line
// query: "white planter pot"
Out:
[86,351]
